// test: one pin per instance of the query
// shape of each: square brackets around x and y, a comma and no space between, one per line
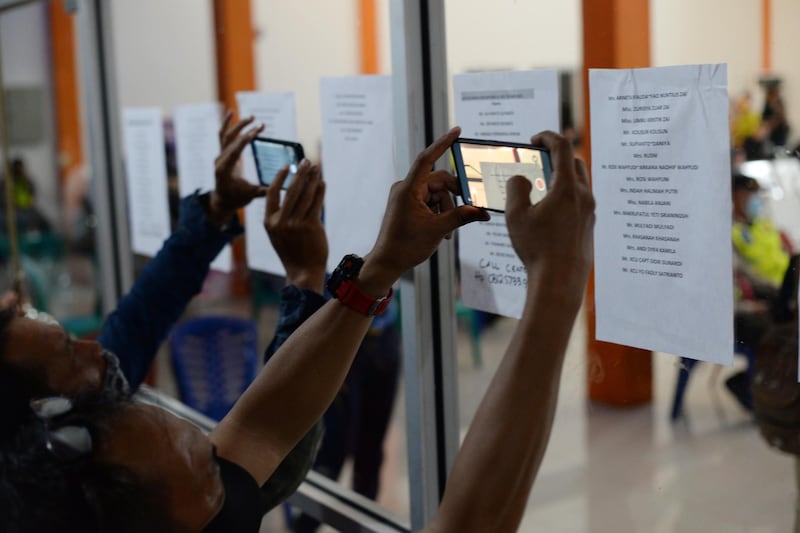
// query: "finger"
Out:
[440,202]
[442,180]
[421,168]
[230,155]
[296,187]
[306,199]
[446,204]
[233,132]
[561,156]
[226,120]
[274,190]
[319,202]
[255,191]
[583,172]
[518,194]
[455,218]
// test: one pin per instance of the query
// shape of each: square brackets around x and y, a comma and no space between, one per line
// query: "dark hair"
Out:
[17,384]
[43,493]
[740,181]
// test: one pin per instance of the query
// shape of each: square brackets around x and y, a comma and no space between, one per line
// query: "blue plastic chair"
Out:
[214,360]
[685,371]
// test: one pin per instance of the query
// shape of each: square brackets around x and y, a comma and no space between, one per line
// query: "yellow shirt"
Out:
[760,246]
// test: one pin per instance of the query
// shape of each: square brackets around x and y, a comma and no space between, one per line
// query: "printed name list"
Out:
[661,177]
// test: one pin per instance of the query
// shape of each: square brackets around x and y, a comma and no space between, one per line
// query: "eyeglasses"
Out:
[66,443]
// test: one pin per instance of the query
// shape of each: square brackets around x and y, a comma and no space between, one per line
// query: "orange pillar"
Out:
[616,34]
[235,42]
[68,122]
[766,36]
[369,37]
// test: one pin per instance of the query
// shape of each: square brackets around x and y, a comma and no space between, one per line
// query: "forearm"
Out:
[292,391]
[159,296]
[502,451]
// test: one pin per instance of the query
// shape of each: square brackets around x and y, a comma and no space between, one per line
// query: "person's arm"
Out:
[301,380]
[498,461]
[298,237]
[144,316]
[302,246]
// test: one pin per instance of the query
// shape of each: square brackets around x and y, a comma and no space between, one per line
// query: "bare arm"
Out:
[504,447]
[301,380]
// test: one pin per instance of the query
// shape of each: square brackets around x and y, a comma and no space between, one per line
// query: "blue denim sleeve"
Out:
[144,316]
[296,305]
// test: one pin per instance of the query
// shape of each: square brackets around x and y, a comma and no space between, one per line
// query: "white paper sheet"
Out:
[277,112]
[357,160]
[662,182]
[146,179]
[499,106]
[197,147]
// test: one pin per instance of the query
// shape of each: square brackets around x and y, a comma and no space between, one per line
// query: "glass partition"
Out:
[628,469]
[52,202]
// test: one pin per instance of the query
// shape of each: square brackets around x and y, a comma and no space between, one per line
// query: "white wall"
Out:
[298,43]
[729,31]
[164,52]
[512,35]
[515,35]
[26,63]
[165,48]
[785,63]
[709,31]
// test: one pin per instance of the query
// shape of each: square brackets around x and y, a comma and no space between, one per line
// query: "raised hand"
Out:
[232,192]
[295,226]
[419,214]
[555,235]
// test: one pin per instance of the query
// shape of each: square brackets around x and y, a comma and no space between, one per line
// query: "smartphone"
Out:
[483,168]
[272,154]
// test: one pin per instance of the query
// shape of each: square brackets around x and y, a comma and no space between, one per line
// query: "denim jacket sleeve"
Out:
[296,305]
[144,316]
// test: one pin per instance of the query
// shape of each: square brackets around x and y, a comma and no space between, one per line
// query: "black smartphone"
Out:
[272,154]
[483,167]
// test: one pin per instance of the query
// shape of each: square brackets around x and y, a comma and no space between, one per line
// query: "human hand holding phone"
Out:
[484,168]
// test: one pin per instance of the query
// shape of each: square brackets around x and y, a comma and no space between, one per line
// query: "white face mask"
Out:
[753,207]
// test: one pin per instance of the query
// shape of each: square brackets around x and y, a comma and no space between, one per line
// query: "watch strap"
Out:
[353,297]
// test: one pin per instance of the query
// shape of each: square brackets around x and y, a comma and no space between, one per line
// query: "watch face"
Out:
[348,269]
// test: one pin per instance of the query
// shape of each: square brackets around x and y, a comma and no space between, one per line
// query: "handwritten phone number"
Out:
[502,279]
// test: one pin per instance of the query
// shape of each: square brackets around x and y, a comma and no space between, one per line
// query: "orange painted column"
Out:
[368,37]
[235,45]
[766,36]
[65,84]
[616,34]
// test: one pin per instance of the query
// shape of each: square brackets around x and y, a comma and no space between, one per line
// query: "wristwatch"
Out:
[342,286]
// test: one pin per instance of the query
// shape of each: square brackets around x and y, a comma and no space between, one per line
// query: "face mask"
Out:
[753,207]
[114,383]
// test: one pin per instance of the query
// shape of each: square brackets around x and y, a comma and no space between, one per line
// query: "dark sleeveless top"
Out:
[243,507]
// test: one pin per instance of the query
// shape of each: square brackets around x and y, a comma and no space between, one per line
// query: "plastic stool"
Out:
[214,360]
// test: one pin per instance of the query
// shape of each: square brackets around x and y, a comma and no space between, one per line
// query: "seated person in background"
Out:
[760,262]
[23,193]
[139,468]
[38,359]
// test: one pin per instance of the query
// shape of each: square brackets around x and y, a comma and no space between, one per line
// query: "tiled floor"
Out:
[628,470]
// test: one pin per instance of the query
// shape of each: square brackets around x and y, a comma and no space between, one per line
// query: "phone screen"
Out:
[484,169]
[271,156]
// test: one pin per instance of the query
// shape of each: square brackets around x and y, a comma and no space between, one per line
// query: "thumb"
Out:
[518,194]
[460,216]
